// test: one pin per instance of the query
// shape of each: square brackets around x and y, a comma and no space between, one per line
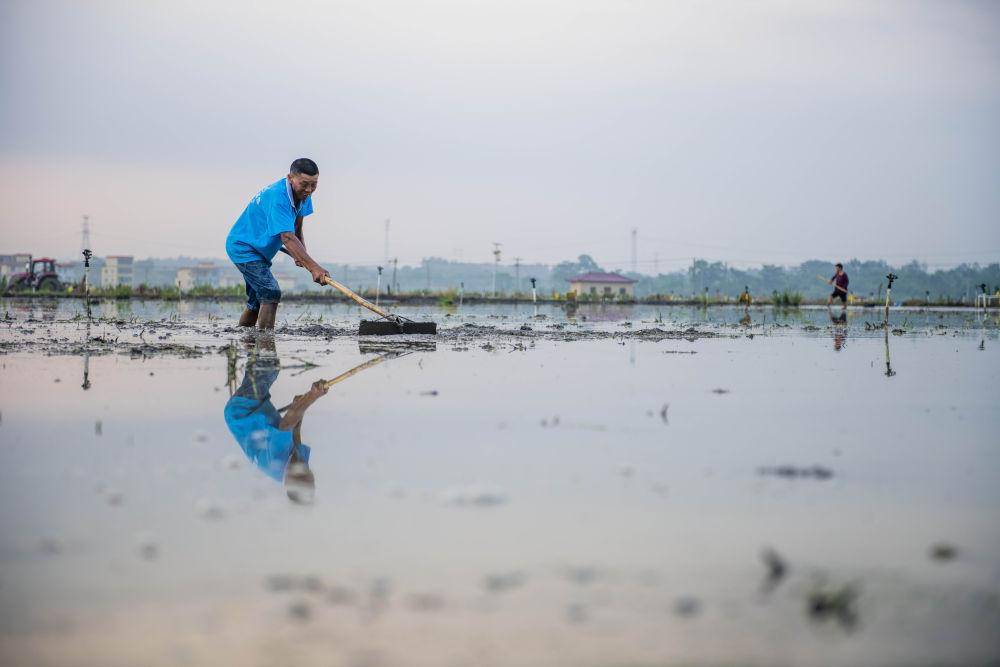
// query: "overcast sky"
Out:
[747,132]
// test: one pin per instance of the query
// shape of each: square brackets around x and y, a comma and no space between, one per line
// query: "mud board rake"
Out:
[390,325]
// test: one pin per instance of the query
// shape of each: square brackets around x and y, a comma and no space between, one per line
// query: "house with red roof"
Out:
[599,285]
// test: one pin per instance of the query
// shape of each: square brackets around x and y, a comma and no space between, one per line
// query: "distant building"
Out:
[286,282]
[197,276]
[599,285]
[117,271]
[231,279]
[11,264]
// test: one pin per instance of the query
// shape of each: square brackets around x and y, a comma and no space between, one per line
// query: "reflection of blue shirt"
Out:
[256,235]
[254,424]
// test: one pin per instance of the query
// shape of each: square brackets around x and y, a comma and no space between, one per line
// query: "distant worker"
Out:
[839,282]
[273,219]
[745,298]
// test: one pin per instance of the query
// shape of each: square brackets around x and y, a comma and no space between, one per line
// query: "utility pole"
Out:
[395,284]
[517,275]
[635,233]
[496,264]
[85,236]
[385,247]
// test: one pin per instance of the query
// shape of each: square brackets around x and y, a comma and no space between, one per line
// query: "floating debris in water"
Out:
[792,472]
[503,582]
[425,602]
[147,547]
[825,602]
[98,427]
[200,436]
[475,496]
[582,576]
[50,546]
[341,596]
[577,613]
[660,489]
[720,391]
[431,392]
[231,462]
[279,583]
[626,470]
[776,569]
[378,593]
[687,606]
[300,611]
[210,510]
[114,498]
[943,552]
[663,413]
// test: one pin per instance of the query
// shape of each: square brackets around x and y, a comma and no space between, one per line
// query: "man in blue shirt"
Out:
[273,219]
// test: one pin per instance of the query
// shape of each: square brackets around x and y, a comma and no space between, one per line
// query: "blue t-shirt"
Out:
[256,236]
[254,424]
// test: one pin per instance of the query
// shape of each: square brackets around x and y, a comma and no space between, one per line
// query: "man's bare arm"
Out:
[298,233]
[297,410]
[298,252]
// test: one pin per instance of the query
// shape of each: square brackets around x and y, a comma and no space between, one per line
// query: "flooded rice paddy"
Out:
[609,486]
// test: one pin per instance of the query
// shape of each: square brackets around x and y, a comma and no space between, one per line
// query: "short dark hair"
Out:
[304,166]
[839,265]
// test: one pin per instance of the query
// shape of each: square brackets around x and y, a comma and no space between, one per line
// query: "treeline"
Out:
[867,280]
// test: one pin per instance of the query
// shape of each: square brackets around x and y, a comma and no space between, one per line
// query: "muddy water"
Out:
[785,491]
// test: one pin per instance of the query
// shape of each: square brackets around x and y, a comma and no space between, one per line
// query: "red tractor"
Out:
[39,276]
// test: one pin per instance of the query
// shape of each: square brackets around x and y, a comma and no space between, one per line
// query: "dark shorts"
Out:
[837,294]
[261,285]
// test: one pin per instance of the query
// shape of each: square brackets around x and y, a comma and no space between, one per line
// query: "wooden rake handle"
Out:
[360,300]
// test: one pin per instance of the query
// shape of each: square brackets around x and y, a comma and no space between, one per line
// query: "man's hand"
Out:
[318,273]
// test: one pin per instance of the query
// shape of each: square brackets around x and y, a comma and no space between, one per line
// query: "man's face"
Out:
[303,185]
[837,270]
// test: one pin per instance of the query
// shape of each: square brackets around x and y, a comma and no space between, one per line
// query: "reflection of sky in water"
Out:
[619,461]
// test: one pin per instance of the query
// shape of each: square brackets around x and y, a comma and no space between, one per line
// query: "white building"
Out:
[195,276]
[286,282]
[117,271]
[10,264]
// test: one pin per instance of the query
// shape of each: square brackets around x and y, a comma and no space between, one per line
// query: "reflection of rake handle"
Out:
[354,371]
[835,285]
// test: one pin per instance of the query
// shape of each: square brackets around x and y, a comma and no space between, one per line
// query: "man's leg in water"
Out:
[249,317]
[268,312]
[263,295]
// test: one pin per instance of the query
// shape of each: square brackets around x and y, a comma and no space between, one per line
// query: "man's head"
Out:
[839,267]
[304,177]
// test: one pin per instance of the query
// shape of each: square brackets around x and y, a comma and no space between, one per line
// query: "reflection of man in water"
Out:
[839,322]
[272,441]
